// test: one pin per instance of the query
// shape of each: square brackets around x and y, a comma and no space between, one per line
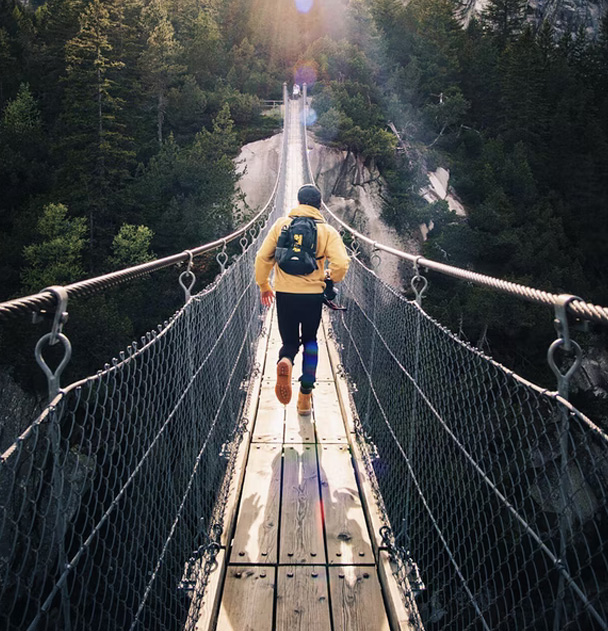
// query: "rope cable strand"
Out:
[501,486]
[124,477]
[577,307]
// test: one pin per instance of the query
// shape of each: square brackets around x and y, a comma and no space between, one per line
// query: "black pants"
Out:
[299,317]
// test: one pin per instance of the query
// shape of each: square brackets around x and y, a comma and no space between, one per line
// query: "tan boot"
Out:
[304,405]
[283,387]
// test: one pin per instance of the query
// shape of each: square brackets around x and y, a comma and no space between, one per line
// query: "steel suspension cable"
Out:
[576,306]
[120,486]
[24,306]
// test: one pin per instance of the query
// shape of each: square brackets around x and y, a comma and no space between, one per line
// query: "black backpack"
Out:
[297,247]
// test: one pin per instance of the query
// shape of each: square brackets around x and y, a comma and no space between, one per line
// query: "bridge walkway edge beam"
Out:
[400,618]
[206,614]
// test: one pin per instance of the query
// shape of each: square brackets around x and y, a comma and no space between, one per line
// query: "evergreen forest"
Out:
[120,120]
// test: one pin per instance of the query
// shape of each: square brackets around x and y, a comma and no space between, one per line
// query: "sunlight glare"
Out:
[304,6]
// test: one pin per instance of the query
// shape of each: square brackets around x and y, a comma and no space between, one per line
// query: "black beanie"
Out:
[310,195]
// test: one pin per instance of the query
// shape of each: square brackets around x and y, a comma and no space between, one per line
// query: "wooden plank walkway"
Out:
[301,548]
[300,555]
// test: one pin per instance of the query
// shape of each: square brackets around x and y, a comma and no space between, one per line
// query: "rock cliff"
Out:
[349,188]
[355,193]
[563,15]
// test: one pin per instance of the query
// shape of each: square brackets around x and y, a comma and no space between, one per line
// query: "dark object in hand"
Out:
[330,292]
[329,296]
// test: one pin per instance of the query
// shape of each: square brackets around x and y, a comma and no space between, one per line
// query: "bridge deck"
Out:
[299,554]
[297,551]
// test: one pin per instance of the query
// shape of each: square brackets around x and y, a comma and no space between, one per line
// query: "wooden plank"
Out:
[356,599]
[302,599]
[366,484]
[248,599]
[301,520]
[402,618]
[272,357]
[298,428]
[341,384]
[257,527]
[328,414]
[274,334]
[346,531]
[324,372]
[270,417]
[274,345]
[250,412]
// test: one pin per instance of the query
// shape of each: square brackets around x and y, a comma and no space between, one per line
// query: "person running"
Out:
[299,296]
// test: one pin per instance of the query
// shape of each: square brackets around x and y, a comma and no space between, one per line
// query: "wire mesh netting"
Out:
[496,489]
[112,502]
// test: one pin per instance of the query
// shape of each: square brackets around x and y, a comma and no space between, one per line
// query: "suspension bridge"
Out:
[432,488]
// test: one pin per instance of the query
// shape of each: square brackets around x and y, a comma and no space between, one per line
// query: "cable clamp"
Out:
[375,259]
[187,278]
[564,342]
[386,534]
[56,335]
[222,258]
[418,283]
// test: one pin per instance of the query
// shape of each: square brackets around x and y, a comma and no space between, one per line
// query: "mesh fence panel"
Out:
[111,503]
[495,488]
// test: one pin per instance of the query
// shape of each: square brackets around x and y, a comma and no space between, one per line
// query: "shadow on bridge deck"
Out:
[298,553]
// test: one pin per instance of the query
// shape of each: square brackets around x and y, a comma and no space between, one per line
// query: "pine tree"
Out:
[186,194]
[505,19]
[57,22]
[128,40]
[23,153]
[233,19]
[98,151]
[7,64]
[244,62]
[524,111]
[24,173]
[205,56]
[57,258]
[131,246]
[479,76]
[186,109]
[160,61]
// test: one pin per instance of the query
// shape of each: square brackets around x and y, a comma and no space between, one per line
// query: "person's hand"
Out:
[327,275]
[267,298]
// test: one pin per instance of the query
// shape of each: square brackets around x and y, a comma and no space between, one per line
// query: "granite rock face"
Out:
[355,193]
[564,15]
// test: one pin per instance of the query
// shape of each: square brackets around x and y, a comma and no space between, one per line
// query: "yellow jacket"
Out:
[329,246]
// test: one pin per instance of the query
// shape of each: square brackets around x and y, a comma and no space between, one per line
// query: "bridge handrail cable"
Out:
[576,306]
[24,306]
[491,488]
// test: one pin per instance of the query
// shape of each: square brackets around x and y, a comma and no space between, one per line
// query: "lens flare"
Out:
[304,6]
[305,73]
[311,116]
